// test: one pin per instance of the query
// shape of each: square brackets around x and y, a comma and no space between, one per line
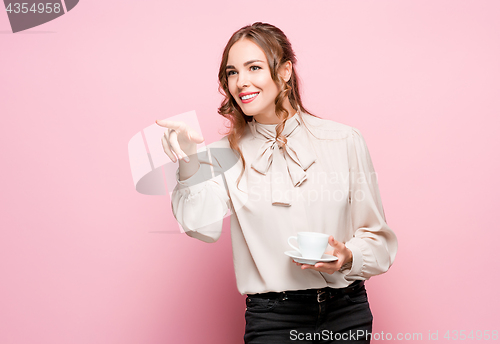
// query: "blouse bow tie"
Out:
[294,157]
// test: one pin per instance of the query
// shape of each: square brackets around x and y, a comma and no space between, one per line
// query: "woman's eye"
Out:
[255,68]
[231,72]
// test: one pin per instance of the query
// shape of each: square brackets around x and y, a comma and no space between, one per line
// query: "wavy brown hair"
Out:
[278,51]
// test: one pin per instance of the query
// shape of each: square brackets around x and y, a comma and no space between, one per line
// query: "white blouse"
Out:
[322,180]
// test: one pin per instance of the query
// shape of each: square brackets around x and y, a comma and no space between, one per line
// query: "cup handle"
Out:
[293,237]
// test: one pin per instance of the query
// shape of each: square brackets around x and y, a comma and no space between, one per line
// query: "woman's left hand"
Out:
[343,254]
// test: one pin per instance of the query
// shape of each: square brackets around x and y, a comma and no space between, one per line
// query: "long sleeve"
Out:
[201,202]
[374,244]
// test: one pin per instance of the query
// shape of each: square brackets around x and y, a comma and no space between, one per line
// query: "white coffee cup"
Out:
[312,245]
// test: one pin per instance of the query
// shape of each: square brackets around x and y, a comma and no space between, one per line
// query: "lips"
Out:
[248,97]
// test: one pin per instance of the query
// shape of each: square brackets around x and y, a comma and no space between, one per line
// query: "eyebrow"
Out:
[245,64]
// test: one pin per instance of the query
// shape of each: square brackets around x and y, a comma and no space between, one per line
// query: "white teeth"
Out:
[249,96]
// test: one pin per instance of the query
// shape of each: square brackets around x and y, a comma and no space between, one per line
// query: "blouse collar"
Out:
[293,160]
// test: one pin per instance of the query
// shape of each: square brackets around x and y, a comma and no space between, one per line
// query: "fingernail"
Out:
[186,159]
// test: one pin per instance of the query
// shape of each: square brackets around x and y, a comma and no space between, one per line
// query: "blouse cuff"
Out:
[357,259]
[195,183]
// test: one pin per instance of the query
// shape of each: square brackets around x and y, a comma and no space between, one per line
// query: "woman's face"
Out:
[249,81]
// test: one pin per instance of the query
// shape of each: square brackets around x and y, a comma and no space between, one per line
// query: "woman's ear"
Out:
[286,71]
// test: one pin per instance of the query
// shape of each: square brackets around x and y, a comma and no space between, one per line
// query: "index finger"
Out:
[169,124]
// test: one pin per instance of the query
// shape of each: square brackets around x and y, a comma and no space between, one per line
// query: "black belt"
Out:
[321,295]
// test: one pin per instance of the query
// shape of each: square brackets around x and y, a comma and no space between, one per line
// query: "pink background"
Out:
[85,258]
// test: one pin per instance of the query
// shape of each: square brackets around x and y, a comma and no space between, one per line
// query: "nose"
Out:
[242,80]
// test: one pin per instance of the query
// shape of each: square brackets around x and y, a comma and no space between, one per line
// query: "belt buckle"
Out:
[321,295]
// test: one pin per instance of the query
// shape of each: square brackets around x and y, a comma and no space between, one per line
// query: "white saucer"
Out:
[297,257]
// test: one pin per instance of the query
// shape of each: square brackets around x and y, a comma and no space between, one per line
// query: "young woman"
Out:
[281,170]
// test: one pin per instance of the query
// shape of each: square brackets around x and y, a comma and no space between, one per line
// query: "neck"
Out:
[273,119]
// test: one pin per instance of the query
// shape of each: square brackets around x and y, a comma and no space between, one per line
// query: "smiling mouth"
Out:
[249,97]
